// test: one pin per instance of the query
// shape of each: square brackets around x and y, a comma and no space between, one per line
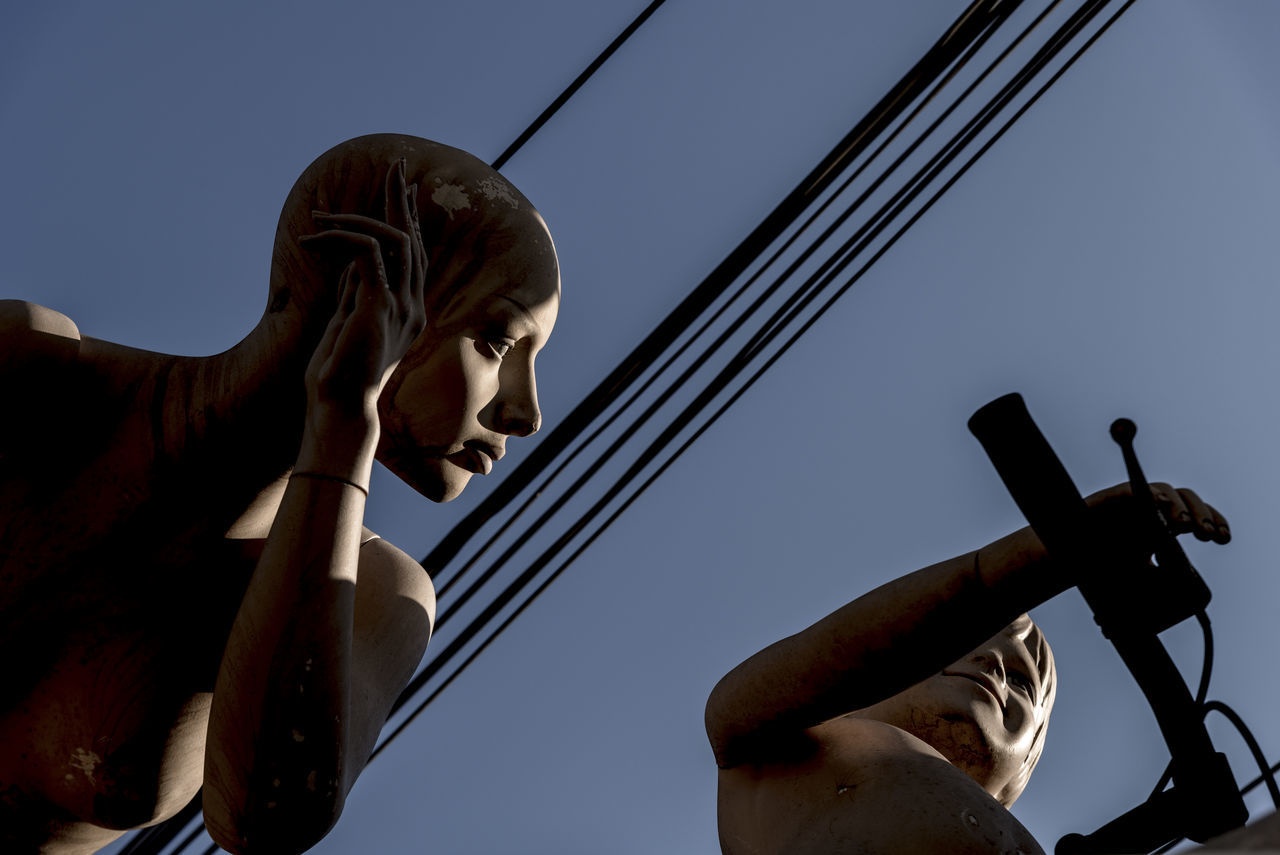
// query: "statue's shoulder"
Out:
[34,334]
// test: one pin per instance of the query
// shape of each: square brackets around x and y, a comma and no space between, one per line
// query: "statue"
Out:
[187,594]
[874,731]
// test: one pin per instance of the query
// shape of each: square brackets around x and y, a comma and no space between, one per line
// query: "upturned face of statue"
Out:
[468,383]
[986,713]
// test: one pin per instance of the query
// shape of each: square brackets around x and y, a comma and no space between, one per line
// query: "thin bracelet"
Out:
[324,477]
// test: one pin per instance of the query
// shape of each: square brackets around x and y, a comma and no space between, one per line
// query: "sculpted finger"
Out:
[396,245]
[419,248]
[346,304]
[400,214]
[1206,522]
[1170,503]
[365,251]
[1224,528]
[396,194]
[347,291]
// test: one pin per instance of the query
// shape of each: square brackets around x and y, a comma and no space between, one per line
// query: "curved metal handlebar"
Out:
[1132,600]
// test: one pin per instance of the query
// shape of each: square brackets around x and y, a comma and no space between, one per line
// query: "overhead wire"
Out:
[1065,34]
[715,316]
[709,322]
[972,22]
[572,88]
[890,106]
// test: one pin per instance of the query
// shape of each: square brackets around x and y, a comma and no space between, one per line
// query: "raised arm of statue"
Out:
[909,719]
[903,631]
[304,685]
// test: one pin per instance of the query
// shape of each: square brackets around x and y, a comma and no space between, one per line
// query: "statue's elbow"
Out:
[278,822]
[718,732]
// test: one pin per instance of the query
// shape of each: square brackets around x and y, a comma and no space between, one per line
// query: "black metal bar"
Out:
[1207,801]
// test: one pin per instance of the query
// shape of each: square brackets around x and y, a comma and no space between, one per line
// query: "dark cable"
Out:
[704,399]
[849,283]
[1206,670]
[1255,749]
[636,423]
[972,22]
[573,87]
[1202,691]
[507,594]
[1253,785]
[949,152]
[1268,772]
[863,237]
[929,68]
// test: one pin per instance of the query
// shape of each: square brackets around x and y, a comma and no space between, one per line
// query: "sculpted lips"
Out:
[476,457]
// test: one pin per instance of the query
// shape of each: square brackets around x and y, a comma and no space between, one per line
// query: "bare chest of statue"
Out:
[117,592]
[867,788]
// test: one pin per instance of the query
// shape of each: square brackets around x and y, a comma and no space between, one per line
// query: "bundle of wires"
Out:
[986,71]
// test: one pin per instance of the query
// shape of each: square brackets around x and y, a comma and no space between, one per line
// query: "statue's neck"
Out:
[227,426]
[250,401]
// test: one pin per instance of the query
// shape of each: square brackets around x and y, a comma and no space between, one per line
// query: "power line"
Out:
[573,87]
[917,82]
[1063,36]
[974,20]
[706,325]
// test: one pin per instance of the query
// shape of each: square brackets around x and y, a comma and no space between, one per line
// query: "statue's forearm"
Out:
[279,727]
[878,644]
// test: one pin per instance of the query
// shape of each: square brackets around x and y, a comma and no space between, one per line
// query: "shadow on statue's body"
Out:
[875,731]
[142,601]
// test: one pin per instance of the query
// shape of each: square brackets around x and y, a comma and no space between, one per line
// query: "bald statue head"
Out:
[470,216]
[492,293]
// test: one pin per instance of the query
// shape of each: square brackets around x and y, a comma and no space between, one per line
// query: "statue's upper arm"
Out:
[394,612]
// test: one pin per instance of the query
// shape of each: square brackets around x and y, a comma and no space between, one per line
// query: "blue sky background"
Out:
[1112,255]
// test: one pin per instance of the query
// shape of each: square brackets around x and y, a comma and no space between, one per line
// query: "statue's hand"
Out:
[380,300]
[1185,510]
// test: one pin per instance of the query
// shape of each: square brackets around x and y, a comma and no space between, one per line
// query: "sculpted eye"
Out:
[1021,682]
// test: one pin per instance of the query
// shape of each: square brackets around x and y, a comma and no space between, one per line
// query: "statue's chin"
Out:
[437,480]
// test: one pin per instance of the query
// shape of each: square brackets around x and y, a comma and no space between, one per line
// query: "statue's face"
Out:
[986,712]
[467,383]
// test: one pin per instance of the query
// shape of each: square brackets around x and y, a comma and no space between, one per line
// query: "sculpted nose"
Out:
[991,661]
[522,423]
[516,411]
[520,416]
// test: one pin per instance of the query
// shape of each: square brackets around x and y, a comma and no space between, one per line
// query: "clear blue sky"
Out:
[1113,255]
